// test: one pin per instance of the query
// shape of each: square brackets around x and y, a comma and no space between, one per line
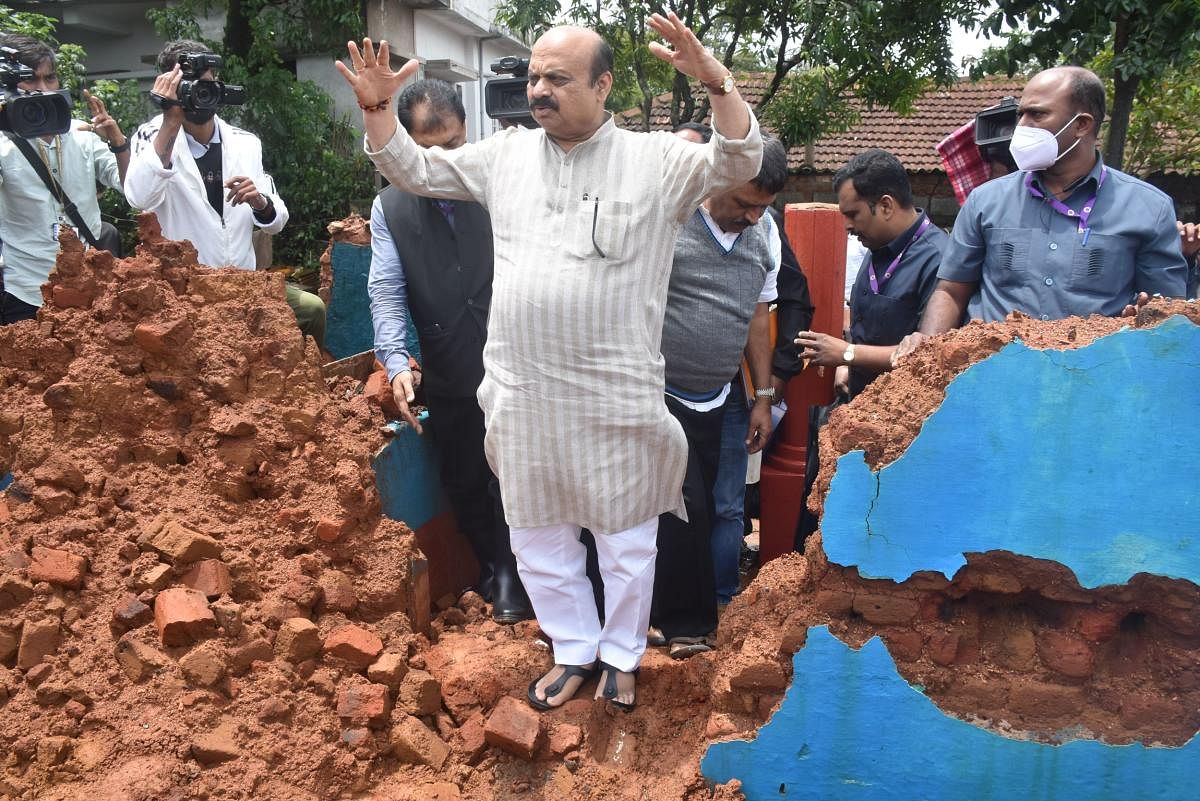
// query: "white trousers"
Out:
[552,563]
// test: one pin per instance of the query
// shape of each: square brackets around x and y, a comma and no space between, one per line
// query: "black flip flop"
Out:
[584,672]
[609,692]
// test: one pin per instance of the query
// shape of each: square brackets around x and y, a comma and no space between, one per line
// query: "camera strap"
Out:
[55,188]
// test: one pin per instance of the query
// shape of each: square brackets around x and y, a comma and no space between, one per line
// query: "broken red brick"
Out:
[209,576]
[379,392]
[137,659]
[419,693]
[14,591]
[39,639]
[514,727]
[943,647]
[338,591]
[388,669]
[354,644]
[131,613]
[162,336]
[298,639]
[412,742]
[362,703]
[1066,654]
[1099,625]
[57,567]
[182,616]
[885,610]
[564,738]
[65,297]
[179,543]
[330,529]
[471,738]
[219,745]
[204,665]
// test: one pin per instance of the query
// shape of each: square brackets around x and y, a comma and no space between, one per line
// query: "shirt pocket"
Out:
[600,228]
[1103,267]
[1006,255]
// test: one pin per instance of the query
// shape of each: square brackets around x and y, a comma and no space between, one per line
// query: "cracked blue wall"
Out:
[1081,456]
[850,728]
[1084,457]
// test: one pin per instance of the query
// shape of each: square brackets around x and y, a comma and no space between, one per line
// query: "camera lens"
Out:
[206,94]
[33,112]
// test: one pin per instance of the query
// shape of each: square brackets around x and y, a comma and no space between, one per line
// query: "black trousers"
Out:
[13,310]
[685,595]
[474,493]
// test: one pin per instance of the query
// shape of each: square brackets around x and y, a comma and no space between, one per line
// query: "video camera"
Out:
[994,130]
[197,94]
[29,114]
[504,99]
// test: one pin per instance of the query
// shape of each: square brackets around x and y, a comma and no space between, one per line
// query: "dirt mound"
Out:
[199,598]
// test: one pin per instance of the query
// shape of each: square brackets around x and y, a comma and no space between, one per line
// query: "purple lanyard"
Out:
[878,282]
[1063,208]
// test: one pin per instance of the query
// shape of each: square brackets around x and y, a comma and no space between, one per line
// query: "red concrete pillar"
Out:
[818,237]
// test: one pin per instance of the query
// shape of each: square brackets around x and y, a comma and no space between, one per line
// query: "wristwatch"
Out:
[848,356]
[724,87]
[767,392]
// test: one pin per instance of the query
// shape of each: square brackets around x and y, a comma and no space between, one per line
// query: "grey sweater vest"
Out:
[710,300]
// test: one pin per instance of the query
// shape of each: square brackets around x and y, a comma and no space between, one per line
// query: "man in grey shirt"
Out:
[1064,235]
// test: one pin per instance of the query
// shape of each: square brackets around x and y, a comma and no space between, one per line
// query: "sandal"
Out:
[608,686]
[583,672]
[683,647]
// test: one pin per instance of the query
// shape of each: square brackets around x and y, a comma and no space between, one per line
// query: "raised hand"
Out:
[687,53]
[372,78]
[103,125]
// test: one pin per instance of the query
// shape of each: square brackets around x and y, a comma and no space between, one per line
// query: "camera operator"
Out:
[31,213]
[204,177]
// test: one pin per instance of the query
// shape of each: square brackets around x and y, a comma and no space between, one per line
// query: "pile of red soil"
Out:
[199,598]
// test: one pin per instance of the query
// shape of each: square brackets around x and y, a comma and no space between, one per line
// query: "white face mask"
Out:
[1036,148]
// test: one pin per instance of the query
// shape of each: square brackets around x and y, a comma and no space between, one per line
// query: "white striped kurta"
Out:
[577,430]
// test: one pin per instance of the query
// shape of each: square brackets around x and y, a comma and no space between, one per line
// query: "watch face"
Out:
[728,85]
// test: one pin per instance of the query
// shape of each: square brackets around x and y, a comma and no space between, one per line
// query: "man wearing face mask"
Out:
[1065,234]
[204,180]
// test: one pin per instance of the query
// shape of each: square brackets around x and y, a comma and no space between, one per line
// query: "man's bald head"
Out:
[1082,86]
[579,38]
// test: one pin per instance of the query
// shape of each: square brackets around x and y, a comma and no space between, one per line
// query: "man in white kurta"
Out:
[584,217]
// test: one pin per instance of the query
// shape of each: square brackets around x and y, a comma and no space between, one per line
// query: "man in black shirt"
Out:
[897,276]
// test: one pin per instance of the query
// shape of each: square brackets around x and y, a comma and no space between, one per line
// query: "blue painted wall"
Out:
[348,318]
[1084,457]
[851,728]
[406,473]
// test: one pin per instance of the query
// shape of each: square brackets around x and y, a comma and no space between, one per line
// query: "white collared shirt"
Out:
[30,216]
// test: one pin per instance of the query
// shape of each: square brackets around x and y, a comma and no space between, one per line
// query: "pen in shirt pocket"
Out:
[1086,233]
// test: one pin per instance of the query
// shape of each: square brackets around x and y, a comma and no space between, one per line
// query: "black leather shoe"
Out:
[510,604]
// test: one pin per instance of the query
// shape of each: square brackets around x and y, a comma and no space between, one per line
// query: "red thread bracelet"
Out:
[380,106]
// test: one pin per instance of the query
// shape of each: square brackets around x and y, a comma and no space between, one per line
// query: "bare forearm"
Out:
[758,347]
[380,126]
[946,306]
[730,115]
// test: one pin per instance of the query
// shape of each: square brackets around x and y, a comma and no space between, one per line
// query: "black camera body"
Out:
[994,130]
[29,114]
[505,99]
[196,94]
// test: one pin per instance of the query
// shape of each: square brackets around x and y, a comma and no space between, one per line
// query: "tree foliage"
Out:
[1147,38]
[814,53]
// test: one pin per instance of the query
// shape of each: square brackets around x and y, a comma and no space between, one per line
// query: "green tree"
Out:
[1148,39]
[314,156]
[817,53]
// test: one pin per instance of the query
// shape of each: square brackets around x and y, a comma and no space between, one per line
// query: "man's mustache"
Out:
[544,102]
